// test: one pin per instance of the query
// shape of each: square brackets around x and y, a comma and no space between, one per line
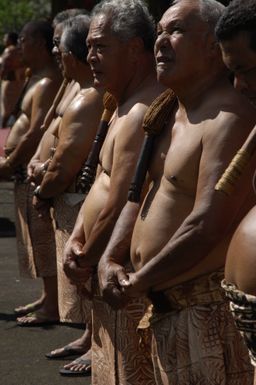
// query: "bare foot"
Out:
[66,352]
[80,366]
[37,318]
[29,308]
[75,348]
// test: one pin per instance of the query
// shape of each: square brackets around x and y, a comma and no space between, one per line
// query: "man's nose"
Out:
[161,42]
[55,50]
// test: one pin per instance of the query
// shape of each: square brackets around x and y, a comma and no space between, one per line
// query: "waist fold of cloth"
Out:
[201,290]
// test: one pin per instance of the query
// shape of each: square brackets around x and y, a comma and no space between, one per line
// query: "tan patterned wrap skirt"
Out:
[73,306]
[196,341]
[120,355]
[35,236]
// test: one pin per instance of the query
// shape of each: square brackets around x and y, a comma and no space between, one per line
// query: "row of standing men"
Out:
[144,273]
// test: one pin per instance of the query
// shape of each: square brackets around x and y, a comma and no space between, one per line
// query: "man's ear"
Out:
[136,46]
[213,48]
[41,43]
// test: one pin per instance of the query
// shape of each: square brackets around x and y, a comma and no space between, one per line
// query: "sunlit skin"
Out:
[56,41]
[173,50]
[43,86]
[107,54]
[165,248]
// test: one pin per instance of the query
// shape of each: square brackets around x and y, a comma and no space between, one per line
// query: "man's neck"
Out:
[144,71]
[84,78]
[192,96]
[42,67]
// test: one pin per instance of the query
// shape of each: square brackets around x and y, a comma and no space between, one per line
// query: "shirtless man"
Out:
[12,77]
[181,234]
[40,240]
[235,32]
[120,44]
[76,130]
[36,44]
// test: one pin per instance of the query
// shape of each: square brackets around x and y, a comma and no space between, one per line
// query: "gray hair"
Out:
[209,10]
[74,36]
[129,18]
[66,14]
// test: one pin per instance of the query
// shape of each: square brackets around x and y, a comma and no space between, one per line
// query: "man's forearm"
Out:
[184,251]
[118,246]
[53,184]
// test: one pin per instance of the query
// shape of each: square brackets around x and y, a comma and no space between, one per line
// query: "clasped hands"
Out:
[117,285]
[74,263]
[5,170]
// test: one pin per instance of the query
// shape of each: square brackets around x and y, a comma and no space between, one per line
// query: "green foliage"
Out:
[15,13]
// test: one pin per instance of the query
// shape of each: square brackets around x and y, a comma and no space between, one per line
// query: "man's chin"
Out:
[98,81]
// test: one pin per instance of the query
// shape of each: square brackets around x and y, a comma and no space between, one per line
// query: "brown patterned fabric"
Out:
[73,306]
[119,355]
[35,236]
[197,342]
[243,309]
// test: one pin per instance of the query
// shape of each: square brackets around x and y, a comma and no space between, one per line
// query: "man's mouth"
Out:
[162,61]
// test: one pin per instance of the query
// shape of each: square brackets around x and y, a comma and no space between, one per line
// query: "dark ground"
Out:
[22,360]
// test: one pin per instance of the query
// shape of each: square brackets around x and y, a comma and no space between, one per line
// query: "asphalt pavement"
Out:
[22,360]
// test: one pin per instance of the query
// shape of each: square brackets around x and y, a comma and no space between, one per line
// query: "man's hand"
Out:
[36,170]
[5,170]
[42,206]
[72,253]
[110,274]
[132,287]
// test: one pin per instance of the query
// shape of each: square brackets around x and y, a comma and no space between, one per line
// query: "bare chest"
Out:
[109,148]
[182,160]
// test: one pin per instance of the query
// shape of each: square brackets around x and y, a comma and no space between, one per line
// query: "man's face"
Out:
[56,42]
[240,58]
[66,60]
[28,46]
[179,48]
[107,55]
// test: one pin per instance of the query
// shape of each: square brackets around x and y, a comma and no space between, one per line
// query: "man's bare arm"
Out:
[212,214]
[77,132]
[126,153]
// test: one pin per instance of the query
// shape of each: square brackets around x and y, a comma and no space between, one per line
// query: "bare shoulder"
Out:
[86,104]
[231,116]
